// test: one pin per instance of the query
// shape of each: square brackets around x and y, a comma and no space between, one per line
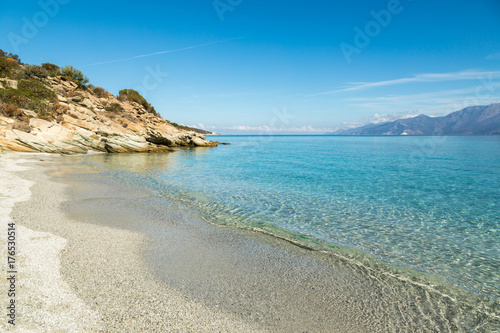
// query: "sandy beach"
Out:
[120,293]
[95,257]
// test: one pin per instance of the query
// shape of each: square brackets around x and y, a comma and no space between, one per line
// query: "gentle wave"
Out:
[427,204]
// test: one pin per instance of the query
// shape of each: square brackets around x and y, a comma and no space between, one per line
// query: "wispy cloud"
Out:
[428,77]
[494,56]
[379,119]
[430,103]
[164,52]
[428,96]
[266,129]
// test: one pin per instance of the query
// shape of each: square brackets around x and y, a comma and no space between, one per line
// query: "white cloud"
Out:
[494,56]
[431,103]
[268,129]
[429,77]
[379,119]
[265,129]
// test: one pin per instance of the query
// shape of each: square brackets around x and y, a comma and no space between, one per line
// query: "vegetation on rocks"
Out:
[100,92]
[114,107]
[10,110]
[35,90]
[33,72]
[133,96]
[52,70]
[32,95]
[73,74]
[12,56]
[9,64]
[52,109]
[8,67]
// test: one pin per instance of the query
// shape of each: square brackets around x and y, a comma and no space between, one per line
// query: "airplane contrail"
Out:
[163,52]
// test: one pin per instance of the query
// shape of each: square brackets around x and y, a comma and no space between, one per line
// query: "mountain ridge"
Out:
[472,120]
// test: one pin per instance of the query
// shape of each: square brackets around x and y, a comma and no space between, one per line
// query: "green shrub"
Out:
[13,56]
[32,95]
[33,72]
[52,70]
[8,67]
[186,128]
[114,107]
[133,96]
[100,92]
[73,74]
[35,90]
[12,96]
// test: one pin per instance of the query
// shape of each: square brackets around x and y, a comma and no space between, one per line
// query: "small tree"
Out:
[52,70]
[100,92]
[73,74]
[8,67]
[13,56]
[134,96]
[33,72]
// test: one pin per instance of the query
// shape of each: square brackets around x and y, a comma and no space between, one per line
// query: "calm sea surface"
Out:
[427,203]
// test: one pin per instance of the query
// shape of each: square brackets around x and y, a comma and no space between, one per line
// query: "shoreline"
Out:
[118,255]
[37,290]
[101,271]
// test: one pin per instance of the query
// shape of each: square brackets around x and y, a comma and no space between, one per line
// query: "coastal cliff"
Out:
[51,109]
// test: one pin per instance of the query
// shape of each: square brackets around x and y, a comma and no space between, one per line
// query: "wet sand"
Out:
[138,262]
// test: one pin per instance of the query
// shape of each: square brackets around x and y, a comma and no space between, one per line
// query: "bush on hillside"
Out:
[35,90]
[32,95]
[8,67]
[100,92]
[33,72]
[114,107]
[133,96]
[52,70]
[13,97]
[73,74]
[9,63]
[12,56]
[10,110]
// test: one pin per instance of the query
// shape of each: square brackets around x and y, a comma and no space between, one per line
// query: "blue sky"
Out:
[240,66]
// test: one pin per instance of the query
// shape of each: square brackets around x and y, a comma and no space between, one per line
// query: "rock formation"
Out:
[82,121]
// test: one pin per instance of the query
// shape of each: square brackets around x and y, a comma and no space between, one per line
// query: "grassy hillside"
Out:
[26,87]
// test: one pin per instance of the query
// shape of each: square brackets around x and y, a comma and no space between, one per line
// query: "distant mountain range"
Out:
[473,120]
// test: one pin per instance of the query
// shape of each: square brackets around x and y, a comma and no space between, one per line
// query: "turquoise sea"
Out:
[426,203]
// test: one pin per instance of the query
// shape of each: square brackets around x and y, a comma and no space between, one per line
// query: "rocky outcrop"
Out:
[84,122]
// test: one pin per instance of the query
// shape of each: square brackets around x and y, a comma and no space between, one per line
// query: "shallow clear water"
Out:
[428,203]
